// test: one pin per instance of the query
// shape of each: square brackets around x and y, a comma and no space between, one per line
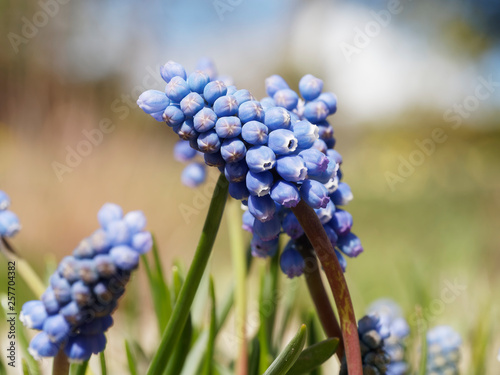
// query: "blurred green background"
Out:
[401,70]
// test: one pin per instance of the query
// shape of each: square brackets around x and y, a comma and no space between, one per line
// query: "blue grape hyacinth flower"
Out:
[9,222]
[274,152]
[75,310]
[443,350]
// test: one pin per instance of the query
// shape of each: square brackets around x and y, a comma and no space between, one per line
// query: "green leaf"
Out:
[314,356]
[288,304]
[132,365]
[24,363]
[212,333]
[263,335]
[196,355]
[102,359]
[182,350]
[180,313]
[289,355]
[253,360]
[422,367]
[481,339]
[79,368]
[177,281]
[272,301]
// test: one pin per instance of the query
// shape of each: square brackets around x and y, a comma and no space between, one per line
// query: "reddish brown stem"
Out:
[326,254]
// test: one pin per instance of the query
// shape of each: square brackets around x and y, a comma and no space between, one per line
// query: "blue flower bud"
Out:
[100,241]
[236,172]
[291,168]
[69,268]
[316,161]
[269,230]
[292,227]
[193,175]
[330,100]
[282,142]
[158,116]
[214,160]
[320,145]
[262,208]
[443,350]
[197,81]
[231,89]
[88,271]
[233,150]
[124,257]
[275,83]
[209,142]
[186,130]
[341,222]
[310,87]
[104,266]
[183,151]
[248,221]
[267,103]
[341,259]
[251,111]
[103,295]
[350,245]
[81,294]
[191,104]
[33,314]
[204,120]
[78,349]
[316,111]
[177,89]
[96,326]
[243,96]
[332,236]
[285,193]
[260,159]
[325,214]
[226,105]
[277,118]
[61,288]
[108,213]
[259,183]
[325,130]
[286,98]
[84,249]
[228,127]
[207,66]
[9,223]
[135,220]
[194,143]
[172,69]
[41,346]
[255,133]
[227,80]
[72,313]
[214,90]
[291,262]
[314,193]
[152,101]
[4,200]
[56,328]
[263,249]
[118,233]
[142,242]
[306,133]
[173,115]
[342,195]
[50,301]
[238,190]
[335,156]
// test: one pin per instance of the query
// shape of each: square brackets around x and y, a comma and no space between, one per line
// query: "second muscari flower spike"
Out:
[274,152]
[75,311]
[9,222]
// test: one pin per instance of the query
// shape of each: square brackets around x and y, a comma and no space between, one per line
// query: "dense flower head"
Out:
[372,336]
[9,222]
[443,350]
[75,310]
[393,322]
[274,152]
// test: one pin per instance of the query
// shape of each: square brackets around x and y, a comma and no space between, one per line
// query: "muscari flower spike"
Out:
[9,222]
[274,152]
[75,311]
[392,321]
[443,350]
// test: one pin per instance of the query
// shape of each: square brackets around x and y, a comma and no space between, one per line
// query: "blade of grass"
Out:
[132,365]
[289,355]
[271,295]
[422,330]
[314,356]
[481,339]
[177,281]
[253,362]
[180,312]
[196,355]
[265,355]
[79,368]
[182,350]
[102,359]
[24,363]
[209,355]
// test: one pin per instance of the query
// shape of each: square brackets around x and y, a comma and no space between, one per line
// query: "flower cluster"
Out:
[9,222]
[372,334]
[75,310]
[274,153]
[392,321]
[443,350]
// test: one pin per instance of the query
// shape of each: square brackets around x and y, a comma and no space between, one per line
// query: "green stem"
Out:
[326,254]
[180,313]
[318,293]
[61,364]
[238,257]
